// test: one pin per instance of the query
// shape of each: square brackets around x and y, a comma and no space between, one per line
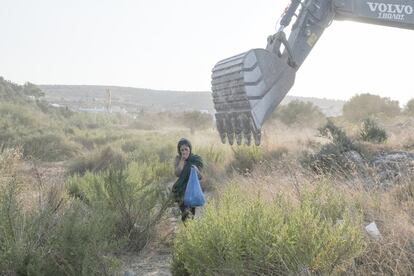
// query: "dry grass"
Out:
[400,131]
[392,210]
[294,139]
[9,162]
[37,182]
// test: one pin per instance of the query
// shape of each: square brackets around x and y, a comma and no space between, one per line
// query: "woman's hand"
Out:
[185,152]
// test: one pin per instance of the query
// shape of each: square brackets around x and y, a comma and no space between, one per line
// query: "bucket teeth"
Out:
[238,129]
[257,137]
[247,130]
[230,128]
[236,126]
[221,128]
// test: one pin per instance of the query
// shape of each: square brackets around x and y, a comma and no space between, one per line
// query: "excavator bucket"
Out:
[246,89]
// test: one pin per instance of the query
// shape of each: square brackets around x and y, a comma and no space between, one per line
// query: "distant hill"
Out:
[138,99]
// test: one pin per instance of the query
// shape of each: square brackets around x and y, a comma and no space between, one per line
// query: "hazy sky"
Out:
[173,45]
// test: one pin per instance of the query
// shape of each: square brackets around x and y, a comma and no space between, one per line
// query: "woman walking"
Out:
[184,161]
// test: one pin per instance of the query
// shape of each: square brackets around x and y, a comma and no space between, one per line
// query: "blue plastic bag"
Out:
[193,196]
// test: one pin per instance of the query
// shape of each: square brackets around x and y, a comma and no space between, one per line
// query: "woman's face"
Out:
[185,151]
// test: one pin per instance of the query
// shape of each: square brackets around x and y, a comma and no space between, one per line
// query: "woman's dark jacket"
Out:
[179,186]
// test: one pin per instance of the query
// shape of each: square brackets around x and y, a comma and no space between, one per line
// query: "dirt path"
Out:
[148,262]
[156,258]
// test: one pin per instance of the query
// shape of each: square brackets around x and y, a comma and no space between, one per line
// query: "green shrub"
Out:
[367,105]
[106,137]
[45,243]
[133,200]
[40,136]
[409,108]
[76,245]
[17,116]
[246,157]
[337,136]
[93,139]
[28,97]
[371,132]
[49,147]
[29,89]
[11,92]
[299,113]
[100,160]
[212,154]
[341,157]
[54,237]
[144,150]
[85,142]
[242,234]
[131,145]
[196,120]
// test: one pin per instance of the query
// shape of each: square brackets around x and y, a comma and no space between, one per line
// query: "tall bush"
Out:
[339,158]
[40,136]
[371,132]
[246,157]
[99,160]
[11,92]
[299,113]
[196,120]
[145,150]
[215,158]
[54,237]
[134,199]
[242,234]
[409,107]
[367,105]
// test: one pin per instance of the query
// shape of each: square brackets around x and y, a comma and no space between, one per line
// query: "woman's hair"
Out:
[183,141]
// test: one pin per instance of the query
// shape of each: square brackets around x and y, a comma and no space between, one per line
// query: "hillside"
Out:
[90,194]
[137,99]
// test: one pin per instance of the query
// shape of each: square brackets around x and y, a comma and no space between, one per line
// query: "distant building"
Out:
[92,110]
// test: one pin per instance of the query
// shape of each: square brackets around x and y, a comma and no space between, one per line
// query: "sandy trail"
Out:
[155,260]
[148,262]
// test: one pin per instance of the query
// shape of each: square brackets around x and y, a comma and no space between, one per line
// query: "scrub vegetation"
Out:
[80,190]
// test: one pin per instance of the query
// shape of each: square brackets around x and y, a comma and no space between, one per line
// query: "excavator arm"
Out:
[246,88]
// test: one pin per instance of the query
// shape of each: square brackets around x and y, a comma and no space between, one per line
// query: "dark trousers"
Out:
[186,211]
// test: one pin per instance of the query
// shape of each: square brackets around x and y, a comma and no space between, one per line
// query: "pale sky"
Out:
[173,45]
